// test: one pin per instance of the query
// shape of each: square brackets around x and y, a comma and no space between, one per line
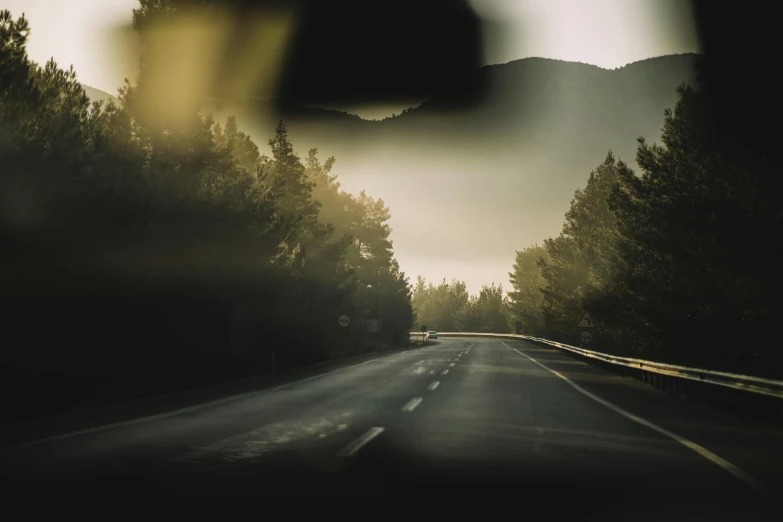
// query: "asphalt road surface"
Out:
[464,416]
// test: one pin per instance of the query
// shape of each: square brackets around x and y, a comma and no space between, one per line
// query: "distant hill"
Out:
[96,95]
[534,103]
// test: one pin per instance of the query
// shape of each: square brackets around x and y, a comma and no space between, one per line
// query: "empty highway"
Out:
[464,416]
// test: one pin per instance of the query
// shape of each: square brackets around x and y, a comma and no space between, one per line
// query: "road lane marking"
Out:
[452,365]
[469,347]
[357,444]
[411,405]
[704,452]
[433,385]
[172,413]
[444,372]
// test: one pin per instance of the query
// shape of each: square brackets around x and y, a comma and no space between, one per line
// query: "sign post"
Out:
[423,333]
[585,322]
[586,327]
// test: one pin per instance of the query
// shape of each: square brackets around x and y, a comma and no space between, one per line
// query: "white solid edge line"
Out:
[170,413]
[411,405]
[704,452]
[433,385]
[357,444]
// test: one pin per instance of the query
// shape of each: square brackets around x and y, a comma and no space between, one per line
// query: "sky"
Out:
[95,37]
[607,33]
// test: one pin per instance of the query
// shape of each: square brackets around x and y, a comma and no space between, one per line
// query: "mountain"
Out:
[540,105]
[98,95]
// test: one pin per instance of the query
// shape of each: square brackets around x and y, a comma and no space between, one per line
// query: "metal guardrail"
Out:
[422,336]
[759,385]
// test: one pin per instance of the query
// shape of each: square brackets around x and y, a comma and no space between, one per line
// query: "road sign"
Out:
[424,328]
[585,337]
[344,321]
[585,322]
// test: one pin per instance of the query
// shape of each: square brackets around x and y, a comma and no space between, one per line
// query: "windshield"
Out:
[220,259]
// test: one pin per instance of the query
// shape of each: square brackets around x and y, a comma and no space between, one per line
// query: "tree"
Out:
[695,230]
[485,313]
[164,220]
[582,259]
[526,300]
[382,292]
[438,307]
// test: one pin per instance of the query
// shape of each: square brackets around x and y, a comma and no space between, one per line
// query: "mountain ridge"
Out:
[95,93]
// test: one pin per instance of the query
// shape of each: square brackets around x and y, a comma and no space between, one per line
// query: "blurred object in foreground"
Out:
[383,52]
[206,52]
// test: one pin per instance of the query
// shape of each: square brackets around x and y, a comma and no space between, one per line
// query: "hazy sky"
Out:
[606,33]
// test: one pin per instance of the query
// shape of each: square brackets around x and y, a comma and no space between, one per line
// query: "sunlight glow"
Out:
[95,36]
[606,33]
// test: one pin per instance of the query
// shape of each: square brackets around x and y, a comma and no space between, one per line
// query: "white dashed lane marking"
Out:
[357,444]
[412,404]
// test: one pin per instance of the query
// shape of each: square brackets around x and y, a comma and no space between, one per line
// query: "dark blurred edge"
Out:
[383,52]
[740,43]
[536,492]
[91,416]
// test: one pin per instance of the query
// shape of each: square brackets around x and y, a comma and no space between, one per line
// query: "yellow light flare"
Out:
[184,60]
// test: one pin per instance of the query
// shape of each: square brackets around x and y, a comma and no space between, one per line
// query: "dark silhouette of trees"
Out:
[147,250]
[677,264]
[449,307]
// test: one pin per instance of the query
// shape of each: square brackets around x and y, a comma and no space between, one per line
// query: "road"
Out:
[464,415]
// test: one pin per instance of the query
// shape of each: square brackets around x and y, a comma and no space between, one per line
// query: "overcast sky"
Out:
[606,33]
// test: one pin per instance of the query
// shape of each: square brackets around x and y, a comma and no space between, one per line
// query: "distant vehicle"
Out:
[432,335]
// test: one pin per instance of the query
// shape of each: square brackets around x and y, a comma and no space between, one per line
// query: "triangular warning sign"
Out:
[585,322]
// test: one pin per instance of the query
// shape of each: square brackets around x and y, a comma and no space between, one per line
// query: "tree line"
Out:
[144,252]
[679,263]
[449,307]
